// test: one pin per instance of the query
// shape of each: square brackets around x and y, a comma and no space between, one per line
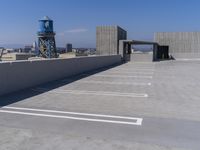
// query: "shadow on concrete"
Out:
[29,92]
[170,58]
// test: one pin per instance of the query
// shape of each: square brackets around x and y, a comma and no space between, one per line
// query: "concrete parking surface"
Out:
[134,106]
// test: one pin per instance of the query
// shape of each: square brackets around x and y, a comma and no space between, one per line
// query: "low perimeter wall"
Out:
[19,75]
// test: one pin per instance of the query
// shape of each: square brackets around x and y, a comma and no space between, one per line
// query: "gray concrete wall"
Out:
[19,75]
[181,44]
[107,39]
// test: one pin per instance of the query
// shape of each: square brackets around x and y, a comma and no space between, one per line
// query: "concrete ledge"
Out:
[19,75]
[186,55]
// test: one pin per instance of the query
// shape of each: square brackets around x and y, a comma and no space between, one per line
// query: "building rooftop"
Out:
[137,105]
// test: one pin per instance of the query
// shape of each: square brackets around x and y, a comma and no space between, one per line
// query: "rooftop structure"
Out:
[112,40]
[180,44]
[107,39]
[46,39]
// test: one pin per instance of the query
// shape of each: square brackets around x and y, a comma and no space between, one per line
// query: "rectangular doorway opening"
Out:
[163,52]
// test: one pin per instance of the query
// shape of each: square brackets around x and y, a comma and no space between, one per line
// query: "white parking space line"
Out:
[132,69]
[187,59]
[116,83]
[145,63]
[124,76]
[135,67]
[71,113]
[128,73]
[129,120]
[99,93]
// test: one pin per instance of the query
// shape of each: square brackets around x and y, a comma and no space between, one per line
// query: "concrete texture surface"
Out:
[142,57]
[170,113]
[24,74]
[181,44]
[107,39]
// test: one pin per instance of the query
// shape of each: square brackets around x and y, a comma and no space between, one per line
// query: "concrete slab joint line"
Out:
[73,115]
[101,93]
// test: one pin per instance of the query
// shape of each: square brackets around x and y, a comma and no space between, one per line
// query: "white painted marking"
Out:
[124,76]
[187,59]
[128,72]
[138,120]
[115,83]
[71,113]
[141,62]
[133,69]
[99,93]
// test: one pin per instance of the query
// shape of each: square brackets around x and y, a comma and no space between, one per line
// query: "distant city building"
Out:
[74,50]
[69,47]
[16,56]
[81,52]
[61,50]
[27,49]
[9,50]
[35,49]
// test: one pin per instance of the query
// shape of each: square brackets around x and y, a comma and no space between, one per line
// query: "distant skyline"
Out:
[75,21]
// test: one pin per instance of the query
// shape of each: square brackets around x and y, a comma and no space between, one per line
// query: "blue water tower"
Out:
[46,25]
[46,38]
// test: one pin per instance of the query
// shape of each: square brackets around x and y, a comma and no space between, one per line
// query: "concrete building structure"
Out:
[112,40]
[125,48]
[68,47]
[107,39]
[180,44]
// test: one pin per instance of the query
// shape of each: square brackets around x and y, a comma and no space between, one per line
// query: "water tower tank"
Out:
[45,25]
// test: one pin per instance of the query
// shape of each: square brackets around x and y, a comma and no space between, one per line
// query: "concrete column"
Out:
[121,48]
[155,50]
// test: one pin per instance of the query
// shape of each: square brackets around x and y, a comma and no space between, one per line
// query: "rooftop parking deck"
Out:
[136,106]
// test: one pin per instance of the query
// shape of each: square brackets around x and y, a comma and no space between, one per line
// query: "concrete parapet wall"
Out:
[19,75]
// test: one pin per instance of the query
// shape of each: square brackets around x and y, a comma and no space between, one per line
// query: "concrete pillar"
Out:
[155,50]
[121,48]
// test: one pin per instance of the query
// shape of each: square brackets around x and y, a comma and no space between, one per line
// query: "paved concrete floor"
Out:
[135,106]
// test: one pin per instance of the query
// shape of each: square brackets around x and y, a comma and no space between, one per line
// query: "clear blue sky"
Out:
[75,20]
